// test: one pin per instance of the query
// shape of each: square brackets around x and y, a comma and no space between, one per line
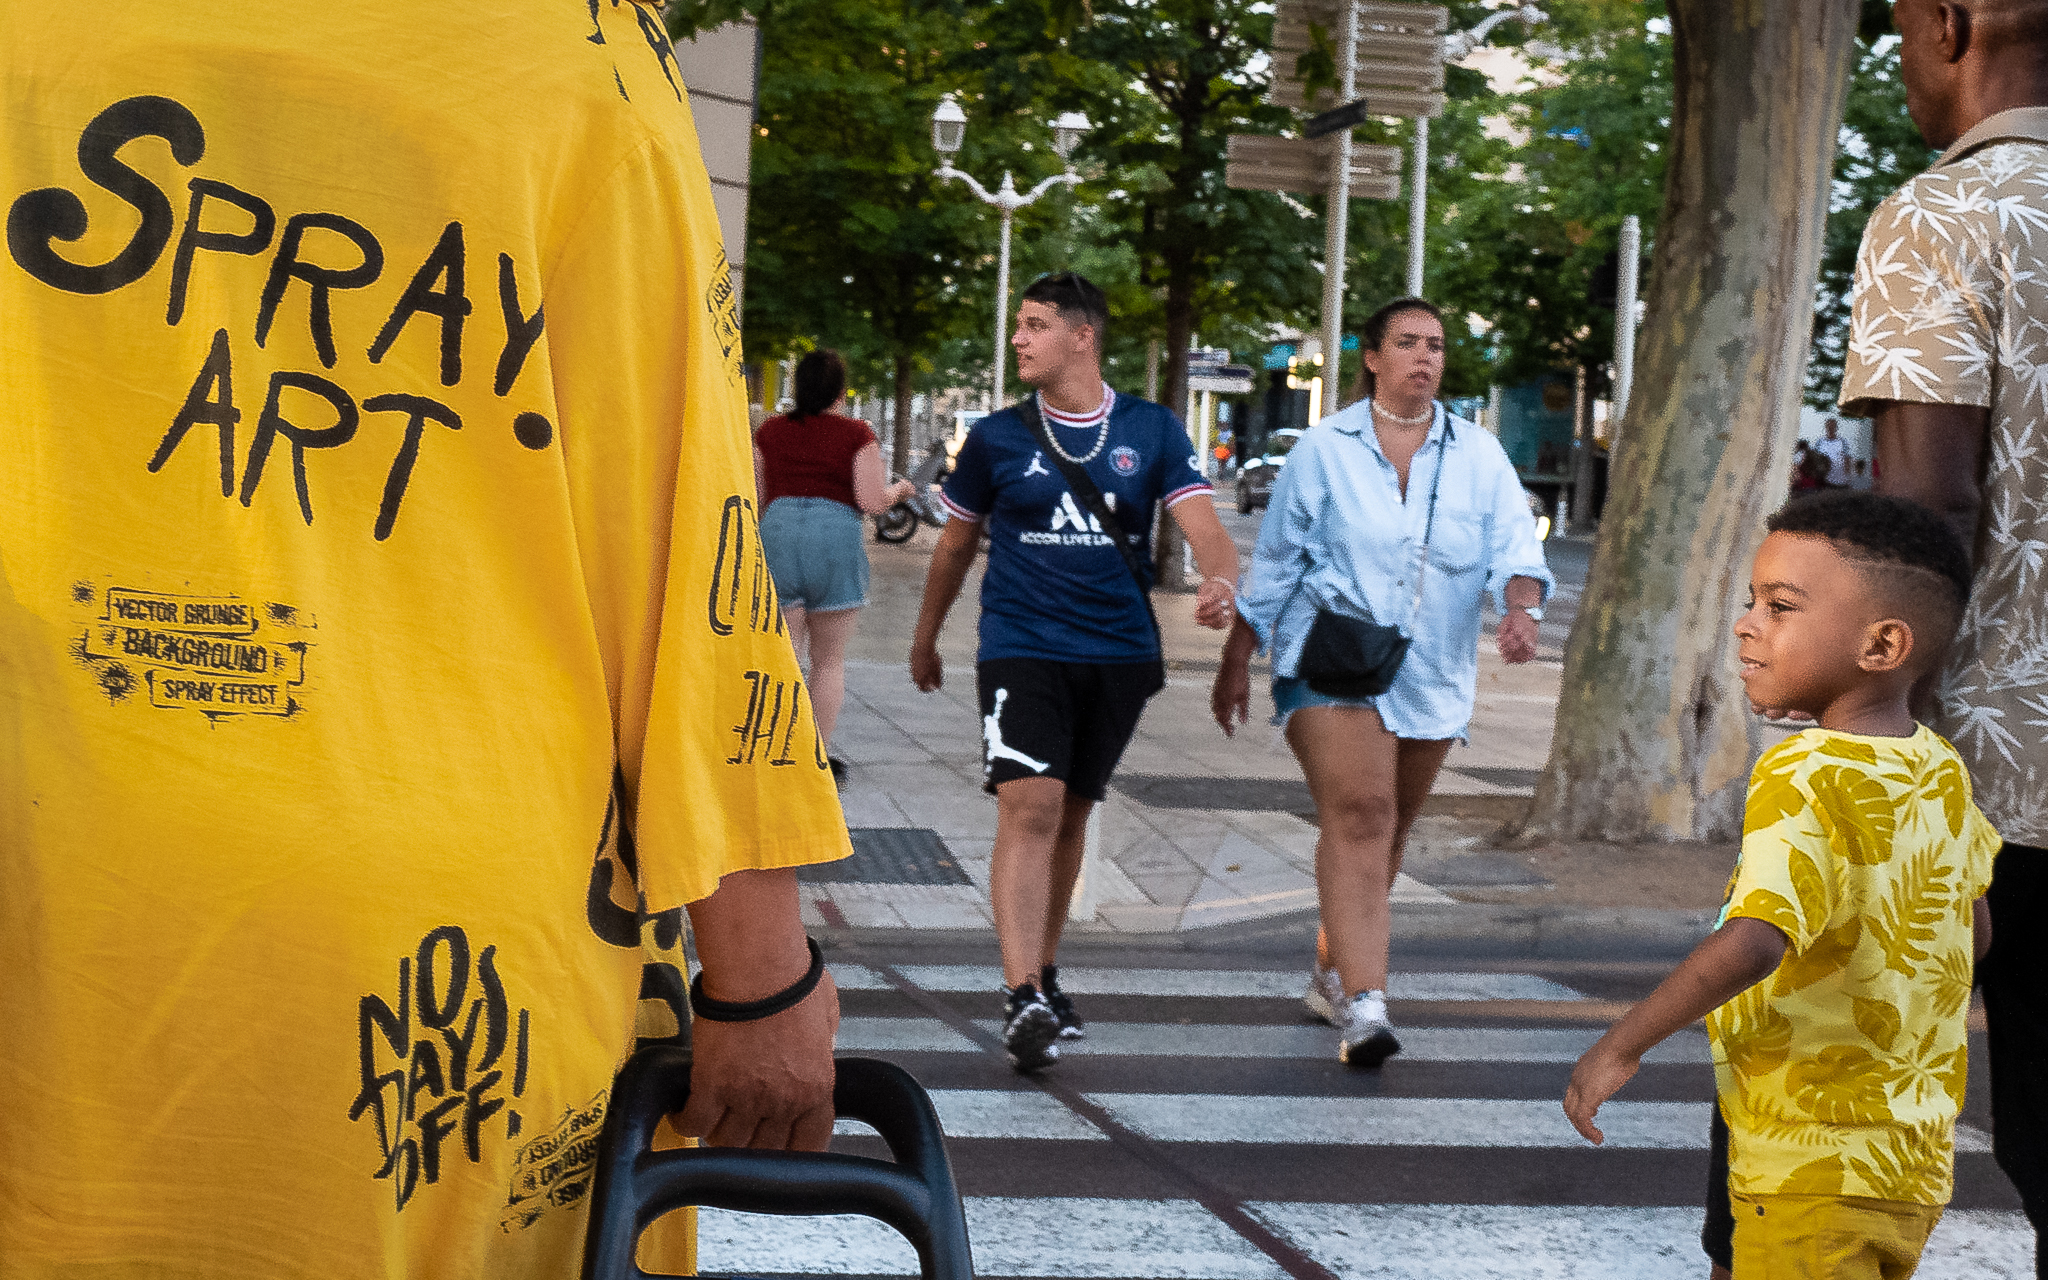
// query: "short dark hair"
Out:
[820,381]
[1375,331]
[1075,297]
[1879,529]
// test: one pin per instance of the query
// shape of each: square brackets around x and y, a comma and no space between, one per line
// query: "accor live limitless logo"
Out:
[312,256]
[1071,526]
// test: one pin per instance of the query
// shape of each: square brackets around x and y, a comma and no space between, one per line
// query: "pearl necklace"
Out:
[1101,438]
[1426,415]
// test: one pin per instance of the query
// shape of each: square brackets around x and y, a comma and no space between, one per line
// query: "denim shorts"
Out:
[1292,694]
[816,552]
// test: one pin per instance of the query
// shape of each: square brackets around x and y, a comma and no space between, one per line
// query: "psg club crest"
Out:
[1124,459]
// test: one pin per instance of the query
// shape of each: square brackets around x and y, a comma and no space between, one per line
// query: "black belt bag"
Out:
[1347,657]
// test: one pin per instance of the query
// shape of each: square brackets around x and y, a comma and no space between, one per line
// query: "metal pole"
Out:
[1002,306]
[1631,252]
[1338,216]
[1418,205]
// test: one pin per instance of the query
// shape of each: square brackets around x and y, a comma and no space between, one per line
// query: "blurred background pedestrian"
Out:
[818,471]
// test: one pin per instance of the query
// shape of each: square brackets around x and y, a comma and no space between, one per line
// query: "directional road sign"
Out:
[1260,163]
[1400,54]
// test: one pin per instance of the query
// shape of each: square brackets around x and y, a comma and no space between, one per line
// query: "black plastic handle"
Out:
[636,1184]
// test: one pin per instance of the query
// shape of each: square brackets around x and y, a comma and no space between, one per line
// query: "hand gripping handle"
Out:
[636,1184]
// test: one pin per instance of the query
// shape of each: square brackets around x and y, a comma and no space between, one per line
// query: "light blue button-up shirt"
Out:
[1338,528]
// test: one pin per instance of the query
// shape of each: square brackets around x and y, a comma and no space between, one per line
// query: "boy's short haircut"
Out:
[1076,298]
[1879,529]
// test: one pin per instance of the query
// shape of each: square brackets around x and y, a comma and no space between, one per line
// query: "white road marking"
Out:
[1002,1113]
[1142,1239]
[1174,1040]
[1514,1242]
[1233,983]
[1011,1237]
[1403,1122]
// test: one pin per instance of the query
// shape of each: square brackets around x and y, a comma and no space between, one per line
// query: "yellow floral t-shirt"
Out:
[1843,1073]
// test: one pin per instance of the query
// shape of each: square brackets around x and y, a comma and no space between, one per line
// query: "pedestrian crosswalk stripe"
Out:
[1144,1239]
[1385,1122]
[1238,983]
[1161,1039]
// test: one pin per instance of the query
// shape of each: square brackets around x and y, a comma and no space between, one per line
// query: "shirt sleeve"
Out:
[1512,549]
[1280,558]
[719,757]
[970,492]
[1180,476]
[1923,324]
[1785,876]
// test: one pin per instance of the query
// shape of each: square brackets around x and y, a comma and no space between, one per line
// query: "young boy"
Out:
[1836,982]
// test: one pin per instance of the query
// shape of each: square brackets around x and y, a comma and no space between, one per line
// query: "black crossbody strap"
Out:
[1083,487]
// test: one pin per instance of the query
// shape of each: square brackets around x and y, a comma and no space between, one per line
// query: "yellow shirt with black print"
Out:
[1842,1074]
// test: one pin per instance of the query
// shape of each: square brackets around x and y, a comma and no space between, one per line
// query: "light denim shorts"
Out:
[817,553]
[1292,694]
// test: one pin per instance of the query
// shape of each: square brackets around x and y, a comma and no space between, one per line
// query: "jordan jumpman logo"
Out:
[1037,467]
[992,735]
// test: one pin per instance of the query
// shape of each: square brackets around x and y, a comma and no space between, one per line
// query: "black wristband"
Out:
[703,1006]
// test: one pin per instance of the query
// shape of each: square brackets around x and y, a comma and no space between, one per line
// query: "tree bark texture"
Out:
[1654,738]
[899,460]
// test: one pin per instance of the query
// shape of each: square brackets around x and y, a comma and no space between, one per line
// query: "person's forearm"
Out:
[1733,959]
[1934,454]
[1215,553]
[1523,593]
[1980,929]
[951,560]
[1240,644]
[750,936]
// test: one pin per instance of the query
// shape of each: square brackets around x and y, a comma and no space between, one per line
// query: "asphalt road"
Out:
[1205,1130]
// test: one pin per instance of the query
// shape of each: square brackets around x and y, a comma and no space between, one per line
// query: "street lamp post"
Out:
[949,130]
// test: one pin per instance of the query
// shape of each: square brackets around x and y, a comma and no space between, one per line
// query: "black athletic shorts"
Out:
[1065,720]
[1717,1235]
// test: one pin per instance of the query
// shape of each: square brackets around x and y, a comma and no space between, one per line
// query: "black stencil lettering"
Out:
[664,52]
[478,1109]
[497,1009]
[40,218]
[424,1073]
[211,400]
[533,430]
[434,1130]
[664,982]
[404,1169]
[287,266]
[263,224]
[668,927]
[621,84]
[756,684]
[611,922]
[460,1047]
[441,1012]
[419,410]
[732,541]
[596,35]
[519,1059]
[375,1019]
[273,424]
[628,854]
[796,703]
[521,330]
[452,305]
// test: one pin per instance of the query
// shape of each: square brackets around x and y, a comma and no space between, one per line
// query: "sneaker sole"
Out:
[1370,1052]
[1033,1042]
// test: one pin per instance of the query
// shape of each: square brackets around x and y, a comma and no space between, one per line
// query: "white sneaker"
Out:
[1368,1034]
[1325,995]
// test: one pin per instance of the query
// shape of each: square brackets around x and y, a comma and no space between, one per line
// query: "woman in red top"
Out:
[818,470]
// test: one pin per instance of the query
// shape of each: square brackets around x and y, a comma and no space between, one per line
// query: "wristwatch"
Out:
[1535,614]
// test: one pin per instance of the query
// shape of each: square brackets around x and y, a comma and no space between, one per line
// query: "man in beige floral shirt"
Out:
[1948,352]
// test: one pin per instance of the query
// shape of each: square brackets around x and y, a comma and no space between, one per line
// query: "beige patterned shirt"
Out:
[1951,307]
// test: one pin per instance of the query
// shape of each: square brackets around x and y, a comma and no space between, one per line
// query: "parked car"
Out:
[1255,482]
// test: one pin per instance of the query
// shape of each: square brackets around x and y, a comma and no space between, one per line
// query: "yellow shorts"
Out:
[1828,1237]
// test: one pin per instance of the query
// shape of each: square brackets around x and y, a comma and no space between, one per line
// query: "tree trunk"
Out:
[899,459]
[1654,738]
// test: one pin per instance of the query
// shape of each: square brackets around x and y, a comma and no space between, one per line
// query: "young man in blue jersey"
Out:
[1069,651]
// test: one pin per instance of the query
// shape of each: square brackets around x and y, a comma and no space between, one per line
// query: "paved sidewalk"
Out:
[1202,831]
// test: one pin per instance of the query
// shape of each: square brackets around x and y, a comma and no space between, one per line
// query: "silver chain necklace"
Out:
[1416,421]
[1101,437]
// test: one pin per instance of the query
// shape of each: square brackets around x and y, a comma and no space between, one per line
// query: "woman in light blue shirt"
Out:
[1345,531]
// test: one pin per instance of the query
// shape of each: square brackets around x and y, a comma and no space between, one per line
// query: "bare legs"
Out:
[1368,788]
[828,634]
[1039,833]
